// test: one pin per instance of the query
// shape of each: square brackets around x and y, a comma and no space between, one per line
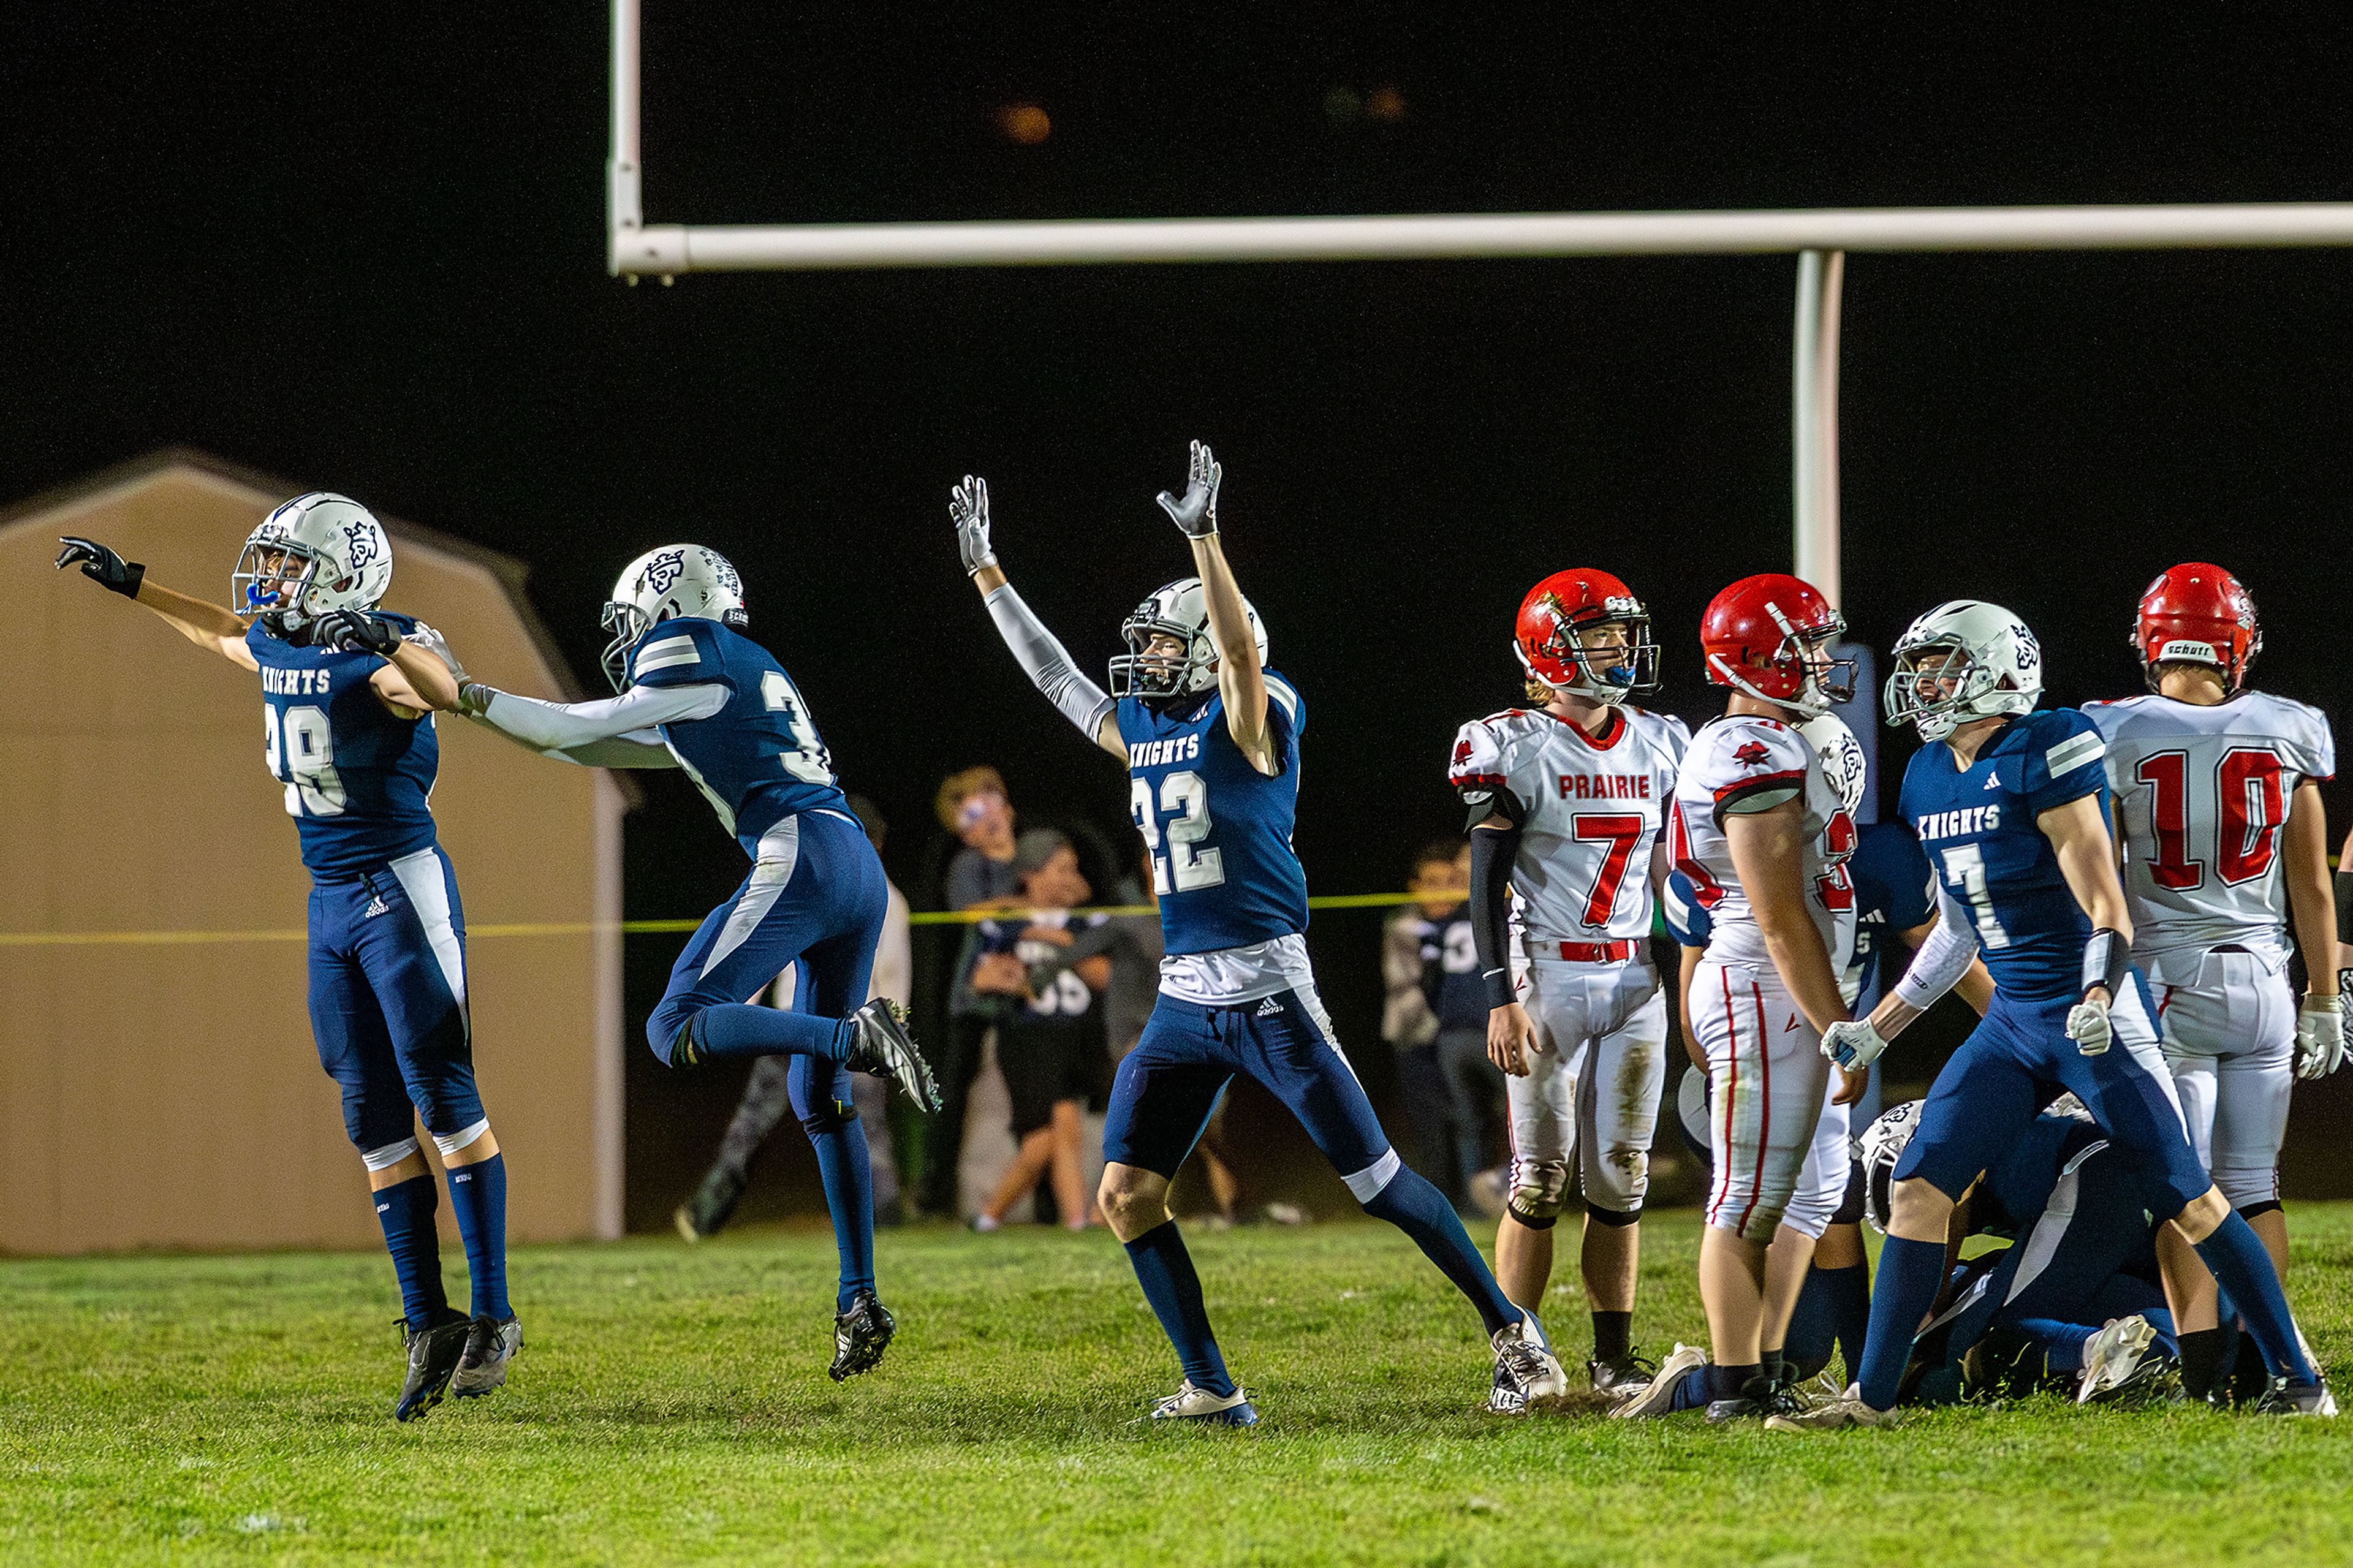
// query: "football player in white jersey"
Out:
[1568,804]
[1761,829]
[2217,792]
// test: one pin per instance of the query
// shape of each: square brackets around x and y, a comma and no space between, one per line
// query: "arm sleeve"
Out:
[638,748]
[560,726]
[1943,958]
[1042,659]
[1492,851]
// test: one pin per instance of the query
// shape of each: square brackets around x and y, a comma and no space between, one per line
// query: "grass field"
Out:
[672,1406]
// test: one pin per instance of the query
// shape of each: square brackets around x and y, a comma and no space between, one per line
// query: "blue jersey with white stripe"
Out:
[1219,830]
[357,775]
[1978,825]
[758,760]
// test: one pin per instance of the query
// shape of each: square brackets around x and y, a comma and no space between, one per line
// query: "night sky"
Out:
[367,255]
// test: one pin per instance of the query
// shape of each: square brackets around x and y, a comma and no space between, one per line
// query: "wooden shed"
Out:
[158,1083]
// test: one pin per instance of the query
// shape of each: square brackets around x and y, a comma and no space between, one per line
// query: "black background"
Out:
[365,251]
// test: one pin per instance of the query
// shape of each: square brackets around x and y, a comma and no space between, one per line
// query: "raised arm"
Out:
[1240,680]
[209,627]
[1041,656]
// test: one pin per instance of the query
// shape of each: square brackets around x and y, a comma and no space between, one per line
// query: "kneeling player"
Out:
[1210,738]
[695,692]
[1566,802]
[2218,799]
[2011,806]
[350,739]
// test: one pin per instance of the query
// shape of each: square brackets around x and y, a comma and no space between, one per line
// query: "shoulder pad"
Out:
[675,653]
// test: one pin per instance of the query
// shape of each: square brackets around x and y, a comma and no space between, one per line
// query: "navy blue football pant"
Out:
[387,967]
[2019,1060]
[816,895]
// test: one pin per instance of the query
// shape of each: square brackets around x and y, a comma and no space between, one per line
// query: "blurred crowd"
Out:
[1051,978]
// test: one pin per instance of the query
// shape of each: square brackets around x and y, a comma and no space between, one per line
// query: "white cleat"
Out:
[1199,1404]
[1847,1410]
[1658,1397]
[1526,1372]
[2113,1357]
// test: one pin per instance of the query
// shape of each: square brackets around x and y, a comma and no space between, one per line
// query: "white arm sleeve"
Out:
[561,726]
[1943,958]
[1079,699]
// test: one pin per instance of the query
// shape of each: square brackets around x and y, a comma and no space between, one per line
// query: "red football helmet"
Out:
[2197,614]
[1761,636]
[1547,637]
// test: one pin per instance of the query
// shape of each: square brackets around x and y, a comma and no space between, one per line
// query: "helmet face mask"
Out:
[665,583]
[313,555]
[1961,662]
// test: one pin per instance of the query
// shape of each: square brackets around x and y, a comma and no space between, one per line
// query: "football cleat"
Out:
[2118,1358]
[2286,1398]
[1623,1378]
[883,1048]
[1526,1372]
[490,1343]
[860,1336]
[433,1355]
[1191,1403]
[1657,1398]
[1847,1410]
[713,1205]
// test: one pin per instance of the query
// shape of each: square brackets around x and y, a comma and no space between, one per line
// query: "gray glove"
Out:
[1196,514]
[968,509]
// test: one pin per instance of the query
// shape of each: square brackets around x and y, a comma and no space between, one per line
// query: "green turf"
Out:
[672,1406]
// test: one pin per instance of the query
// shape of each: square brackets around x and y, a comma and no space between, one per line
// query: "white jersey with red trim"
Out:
[1740,763]
[2203,794]
[1590,808]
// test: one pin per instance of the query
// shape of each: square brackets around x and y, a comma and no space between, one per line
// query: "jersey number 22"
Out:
[1184,822]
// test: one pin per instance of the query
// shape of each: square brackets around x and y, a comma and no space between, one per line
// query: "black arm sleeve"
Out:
[1492,851]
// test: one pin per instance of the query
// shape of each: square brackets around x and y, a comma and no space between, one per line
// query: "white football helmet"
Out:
[662,583]
[1842,756]
[1986,664]
[311,556]
[1179,610]
[1880,1147]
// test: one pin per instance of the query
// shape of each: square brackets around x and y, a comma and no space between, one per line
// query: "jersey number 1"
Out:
[1184,799]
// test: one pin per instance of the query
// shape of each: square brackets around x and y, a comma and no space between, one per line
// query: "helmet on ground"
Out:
[1547,636]
[663,584]
[1880,1147]
[1179,610]
[311,556]
[2197,614]
[1764,636]
[1962,661]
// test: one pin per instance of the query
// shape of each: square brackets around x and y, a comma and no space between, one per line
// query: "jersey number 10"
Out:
[2249,808]
[1185,803]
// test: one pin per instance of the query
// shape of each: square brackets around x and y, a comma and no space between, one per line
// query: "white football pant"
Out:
[1767,1085]
[2229,1034]
[1593,1090]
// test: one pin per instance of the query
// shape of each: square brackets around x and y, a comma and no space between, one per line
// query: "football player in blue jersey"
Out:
[699,695]
[347,735]
[2011,806]
[1210,740]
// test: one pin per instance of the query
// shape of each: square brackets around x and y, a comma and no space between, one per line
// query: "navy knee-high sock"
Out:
[1813,1326]
[1421,1211]
[1164,1270]
[844,1164]
[2235,1253]
[741,1029]
[1910,1272]
[406,1213]
[1849,1295]
[478,1196]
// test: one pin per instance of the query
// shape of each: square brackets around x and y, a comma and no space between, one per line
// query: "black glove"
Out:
[102,566]
[356,631]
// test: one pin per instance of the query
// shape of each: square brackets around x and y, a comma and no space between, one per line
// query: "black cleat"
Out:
[860,1336]
[433,1356]
[490,1343]
[2286,1398]
[884,1048]
[713,1205]
[1621,1379]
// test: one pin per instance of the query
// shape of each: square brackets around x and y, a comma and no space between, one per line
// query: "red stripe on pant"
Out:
[1724,1176]
[1764,1117]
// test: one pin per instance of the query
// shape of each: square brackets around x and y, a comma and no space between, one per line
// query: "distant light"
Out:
[1024,122]
[1342,103]
[1386,103]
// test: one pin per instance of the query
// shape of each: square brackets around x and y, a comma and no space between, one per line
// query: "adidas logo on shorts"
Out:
[1270,1008]
[376,906]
